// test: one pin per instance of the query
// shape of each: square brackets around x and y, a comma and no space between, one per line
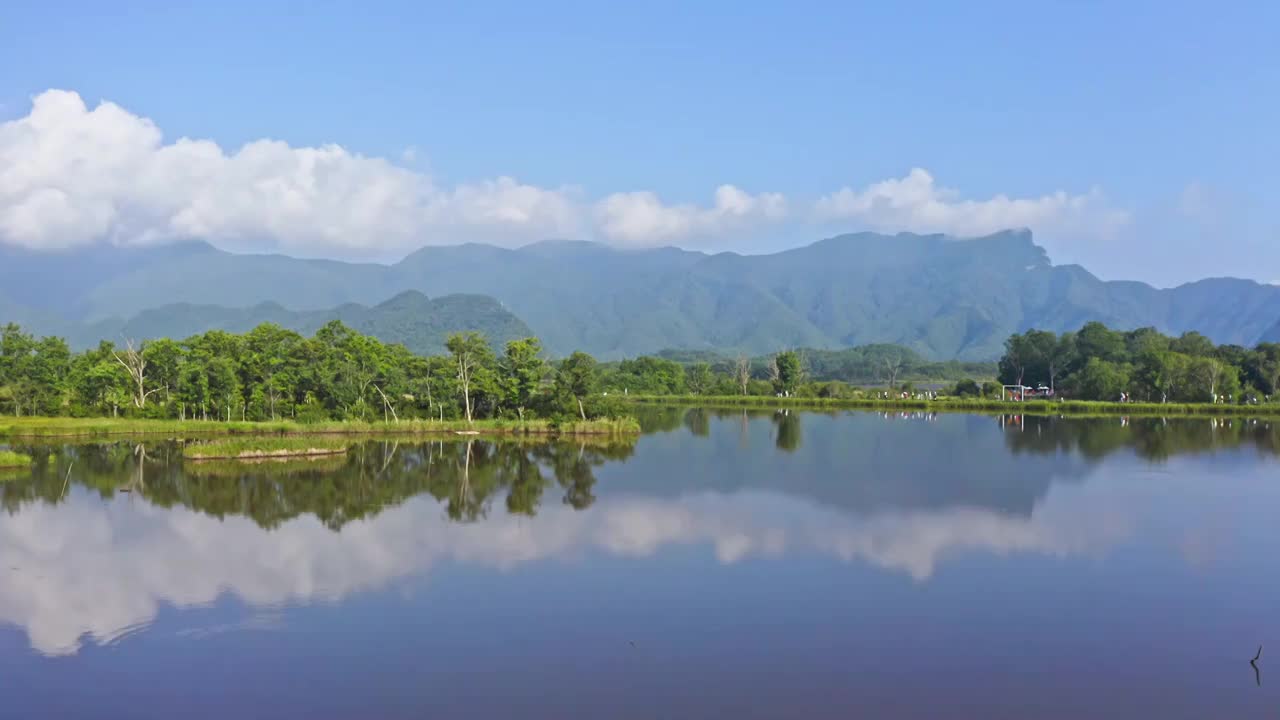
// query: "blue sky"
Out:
[1139,138]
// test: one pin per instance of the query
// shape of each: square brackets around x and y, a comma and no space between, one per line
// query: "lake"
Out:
[727,564]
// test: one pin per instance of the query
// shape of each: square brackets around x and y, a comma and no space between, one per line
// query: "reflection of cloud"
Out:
[84,567]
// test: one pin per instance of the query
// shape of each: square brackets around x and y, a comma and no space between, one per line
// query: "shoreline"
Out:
[53,428]
[1080,408]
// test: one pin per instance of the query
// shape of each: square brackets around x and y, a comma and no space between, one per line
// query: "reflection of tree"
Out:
[788,430]
[464,476]
[656,419]
[572,467]
[527,483]
[1150,438]
[698,420]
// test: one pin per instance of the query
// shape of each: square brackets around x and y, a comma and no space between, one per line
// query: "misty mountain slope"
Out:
[59,282]
[229,280]
[422,324]
[943,297]
[1272,335]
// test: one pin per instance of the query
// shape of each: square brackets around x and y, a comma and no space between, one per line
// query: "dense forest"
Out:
[271,373]
[1098,363]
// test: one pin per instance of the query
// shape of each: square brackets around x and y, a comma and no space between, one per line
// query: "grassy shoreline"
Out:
[1030,407]
[43,427]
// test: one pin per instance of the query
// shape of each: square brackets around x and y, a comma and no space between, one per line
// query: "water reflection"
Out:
[98,537]
[466,477]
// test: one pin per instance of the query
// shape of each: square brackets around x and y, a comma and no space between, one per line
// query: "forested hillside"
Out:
[938,296]
[411,319]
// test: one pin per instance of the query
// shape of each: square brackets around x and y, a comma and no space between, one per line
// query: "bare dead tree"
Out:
[386,405]
[742,372]
[467,364]
[135,363]
[775,375]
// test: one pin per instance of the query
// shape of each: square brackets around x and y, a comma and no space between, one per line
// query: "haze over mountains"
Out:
[943,297]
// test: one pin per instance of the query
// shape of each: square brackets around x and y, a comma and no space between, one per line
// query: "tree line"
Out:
[271,373]
[1098,363]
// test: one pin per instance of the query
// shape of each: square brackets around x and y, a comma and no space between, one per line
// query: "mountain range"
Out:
[410,318]
[943,297]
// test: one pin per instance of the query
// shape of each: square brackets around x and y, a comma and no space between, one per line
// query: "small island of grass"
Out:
[10,459]
[264,448]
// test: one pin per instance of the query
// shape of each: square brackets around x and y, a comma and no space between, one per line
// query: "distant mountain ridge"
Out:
[412,319]
[942,297]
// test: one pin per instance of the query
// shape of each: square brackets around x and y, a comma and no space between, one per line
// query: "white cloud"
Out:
[71,175]
[640,218]
[100,569]
[916,203]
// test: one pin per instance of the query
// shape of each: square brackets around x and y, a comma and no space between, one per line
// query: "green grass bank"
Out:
[56,427]
[1035,407]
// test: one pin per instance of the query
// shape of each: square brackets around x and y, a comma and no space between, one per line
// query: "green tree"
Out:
[523,370]
[164,365]
[471,355]
[16,350]
[1159,372]
[1096,340]
[1208,378]
[1193,344]
[698,378]
[787,372]
[1021,353]
[648,375]
[1145,340]
[576,378]
[47,371]
[1102,380]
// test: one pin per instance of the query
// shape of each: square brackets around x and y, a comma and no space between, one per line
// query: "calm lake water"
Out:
[728,564]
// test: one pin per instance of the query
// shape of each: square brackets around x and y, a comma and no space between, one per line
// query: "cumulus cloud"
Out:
[85,568]
[917,203]
[73,175]
[641,218]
